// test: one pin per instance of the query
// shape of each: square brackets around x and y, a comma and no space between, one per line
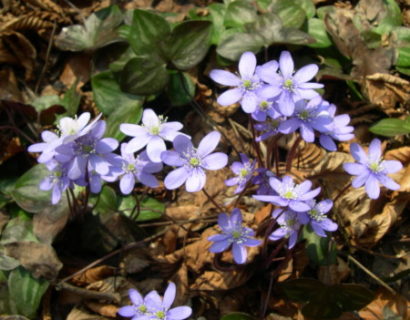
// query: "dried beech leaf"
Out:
[79,314]
[384,300]
[386,91]
[106,310]
[38,258]
[401,154]
[214,280]
[93,275]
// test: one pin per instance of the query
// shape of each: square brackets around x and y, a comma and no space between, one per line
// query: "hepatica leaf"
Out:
[391,127]
[189,43]
[238,13]
[98,30]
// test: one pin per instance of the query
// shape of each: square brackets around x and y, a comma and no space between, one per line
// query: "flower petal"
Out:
[169,130]
[392,166]
[298,206]
[196,180]
[249,102]
[219,246]
[328,225]
[354,168]
[375,150]
[150,118]
[176,178]
[225,78]
[247,64]
[169,296]
[127,183]
[388,182]
[215,161]
[132,130]
[372,187]
[360,180]
[155,147]
[182,143]
[137,143]
[358,153]
[218,237]
[136,297]
[239,253]
[230,96]
[172,158]
[208,143]
[179,313]
[286,65]
[305,73]
[127,311]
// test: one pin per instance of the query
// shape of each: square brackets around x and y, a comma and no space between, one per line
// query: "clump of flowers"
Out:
[152,306]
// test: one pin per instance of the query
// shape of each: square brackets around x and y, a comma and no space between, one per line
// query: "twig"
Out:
[129,246]
[213,200]
[89,294]
[371,274]
[43,70]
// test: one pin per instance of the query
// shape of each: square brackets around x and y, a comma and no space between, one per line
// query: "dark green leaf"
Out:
[237,316]
[106,201]
[128,113]
[403,59]
[290,12]
[44,102]
[391,17]
[217,14]
[71,100]
[148,33]
[238,13]
[319,250]
[352,296]
[317,29]
[27,193]
[19,228]
[122,60]
[108,95]
[189,43]
[390,127]
[25,292]
[232,46]
[150,208]
[143,76]
[181,89]
[99,30]
[301,290]
[309,7]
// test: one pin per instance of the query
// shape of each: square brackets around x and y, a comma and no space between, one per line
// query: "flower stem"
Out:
[212,200]
[255,144]
[292,153]
[341,192]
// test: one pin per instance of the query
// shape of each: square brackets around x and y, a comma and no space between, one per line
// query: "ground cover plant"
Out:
[204,160]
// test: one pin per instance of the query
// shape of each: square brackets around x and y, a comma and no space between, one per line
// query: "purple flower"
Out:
[154,307]
[89,151]
[292,86]
[262,179]
[57,181]
[161,308]
[317,218]
[135,169]
[265,108]
[290,194]
[247,85]
[289,226]
[308,116]
[47,148]
[152,133]
[372,169]
[270,127]
[339,130]
[193,162]
[244,171]
[233,233]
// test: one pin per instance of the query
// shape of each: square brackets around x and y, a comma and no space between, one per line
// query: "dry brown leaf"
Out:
[8,85]
[109,285]
[106,310]
[38,258]
[93,275]
[79,314]
[384,300]
[401,154]
[263,213]
[334,273]
[386,91]
[217,280]
[49,222]
[77,68]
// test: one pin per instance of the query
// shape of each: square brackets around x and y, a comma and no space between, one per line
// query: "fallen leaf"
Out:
[38,258]
[216,280]
[106,310]
[93,275]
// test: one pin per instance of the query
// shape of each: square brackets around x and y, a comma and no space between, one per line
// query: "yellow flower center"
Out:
[194,162]
[288,84]
[236,234]
[247,84]
[130,167]
[142,308]
[154,130]
[244,172]
[160,314]
[289,194]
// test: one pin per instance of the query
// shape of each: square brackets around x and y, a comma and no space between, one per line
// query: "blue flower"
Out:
[316,216]
[235,235]
[244,171]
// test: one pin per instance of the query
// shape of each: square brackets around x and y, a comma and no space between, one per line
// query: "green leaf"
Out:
[238,13]
[290,12]
[27,193]
[309,7]
[232,46]
[8,263]
[237,316]
[143,76]
[150,208]
[120,63]
[318,249]
[44,102]
[390,127]
[217,15]
[99,30]
[19,228]
[108,95]
[405,71]
[189,43]
[149,33]
[128,113]
[392,17]
[317,29]
[181,89]
[301,290]
[106,201]
[71,100]
[25,292]
[403,59]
